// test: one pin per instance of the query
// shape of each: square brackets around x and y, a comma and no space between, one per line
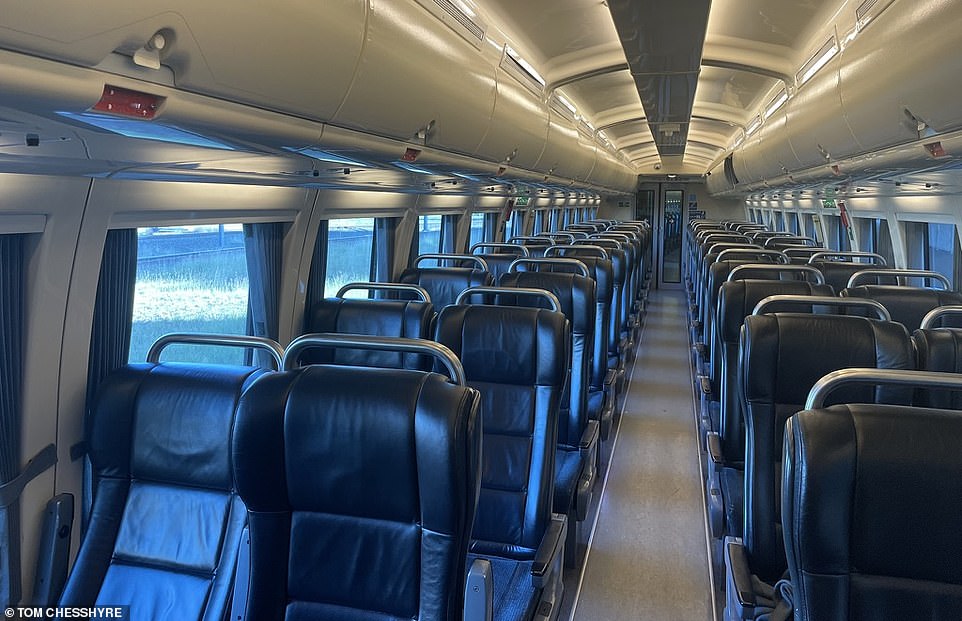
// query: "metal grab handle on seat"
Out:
[897,377]
[940,311]
[879,259]
[790,238]
[383,286]
[502,246]
[552,236]
[737,246]
[452,257]
[538,293]
[897,274]
[377,343]
[582,268]
[822,300]
[226,340]
[554,250]
[768,267]
[748,251]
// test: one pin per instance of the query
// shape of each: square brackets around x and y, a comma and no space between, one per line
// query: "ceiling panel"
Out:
[785,23]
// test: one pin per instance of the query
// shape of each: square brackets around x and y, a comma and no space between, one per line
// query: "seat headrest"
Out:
[409,319]
[784,354]
[908,305]
[575,292]
[167,423]
[444,284]
[507,344]
[737,300]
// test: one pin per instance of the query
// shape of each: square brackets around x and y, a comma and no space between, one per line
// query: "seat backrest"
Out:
[838,273]
[736,301]
[783,355]
[605,336]
[872,496]
[361,485]
[498,263]
[165,525]
[619,283]
[577,296]
[908,305]
[940,350]
[444,284]
[517,358]
[410,319]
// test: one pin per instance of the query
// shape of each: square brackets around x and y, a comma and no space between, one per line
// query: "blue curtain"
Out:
[382,250]
[264,244]
[11,365]
[113,308]
[318,274]
[449,233]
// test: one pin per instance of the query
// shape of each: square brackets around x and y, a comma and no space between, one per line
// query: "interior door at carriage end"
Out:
[670,228]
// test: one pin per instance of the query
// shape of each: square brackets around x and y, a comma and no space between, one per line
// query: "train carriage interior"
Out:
[568,310]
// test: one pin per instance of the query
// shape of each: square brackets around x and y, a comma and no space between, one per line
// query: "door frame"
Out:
[659,230]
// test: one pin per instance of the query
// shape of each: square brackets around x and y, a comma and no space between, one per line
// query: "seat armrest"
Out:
[548,556]
[589,439]
[479,592]
[739,575]
[714,448]
[702,350]
[704,382]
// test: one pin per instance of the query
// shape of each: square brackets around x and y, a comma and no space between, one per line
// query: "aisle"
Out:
[648,557]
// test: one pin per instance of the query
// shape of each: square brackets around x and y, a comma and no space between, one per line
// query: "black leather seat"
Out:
[400,318]
[736,301]
[603,382]
[783,355]
[907,305]
[517,358]
[838,273]
[578,435]
[940,350]
[165,525]
[445,284]
[361,486]
[872,496]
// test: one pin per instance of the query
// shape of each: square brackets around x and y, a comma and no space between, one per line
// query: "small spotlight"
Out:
[33,140]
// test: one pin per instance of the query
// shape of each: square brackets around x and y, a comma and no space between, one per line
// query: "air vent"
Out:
[455,14]
[869,10]
[522,71]
[585,128]
[730,171]
[561,108]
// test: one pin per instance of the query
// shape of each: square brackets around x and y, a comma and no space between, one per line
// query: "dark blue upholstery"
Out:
[518,359]
[165,524]
[871,501]
[361,486]
[908,305]
[444,284]
[940,350]
[408,319]
[498,263]
[783,355]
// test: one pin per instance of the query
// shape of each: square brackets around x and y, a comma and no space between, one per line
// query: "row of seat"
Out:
[764,363]
[362,473]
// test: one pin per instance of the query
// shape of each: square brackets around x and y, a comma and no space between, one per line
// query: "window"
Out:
[190,279]
[478,233]
[349,248]
[932,246]
[836,233]
[874,237]
[792,221]
[812,228]
[429,234]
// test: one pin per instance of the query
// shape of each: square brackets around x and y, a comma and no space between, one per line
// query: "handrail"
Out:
[377,343]
[224,340]
[939,311]
[791,238]
[540,293]
[383,286]
[525,238]
[602,253]
[755,253]
[582,268]
[898,377]
[552,235]
[768,267]
[822,300]
[801,251]
[452,257]
[853,254]
[861,275]
[711,249]
[502,246]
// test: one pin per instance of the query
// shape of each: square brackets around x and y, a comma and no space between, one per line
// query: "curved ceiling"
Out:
[750,51]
